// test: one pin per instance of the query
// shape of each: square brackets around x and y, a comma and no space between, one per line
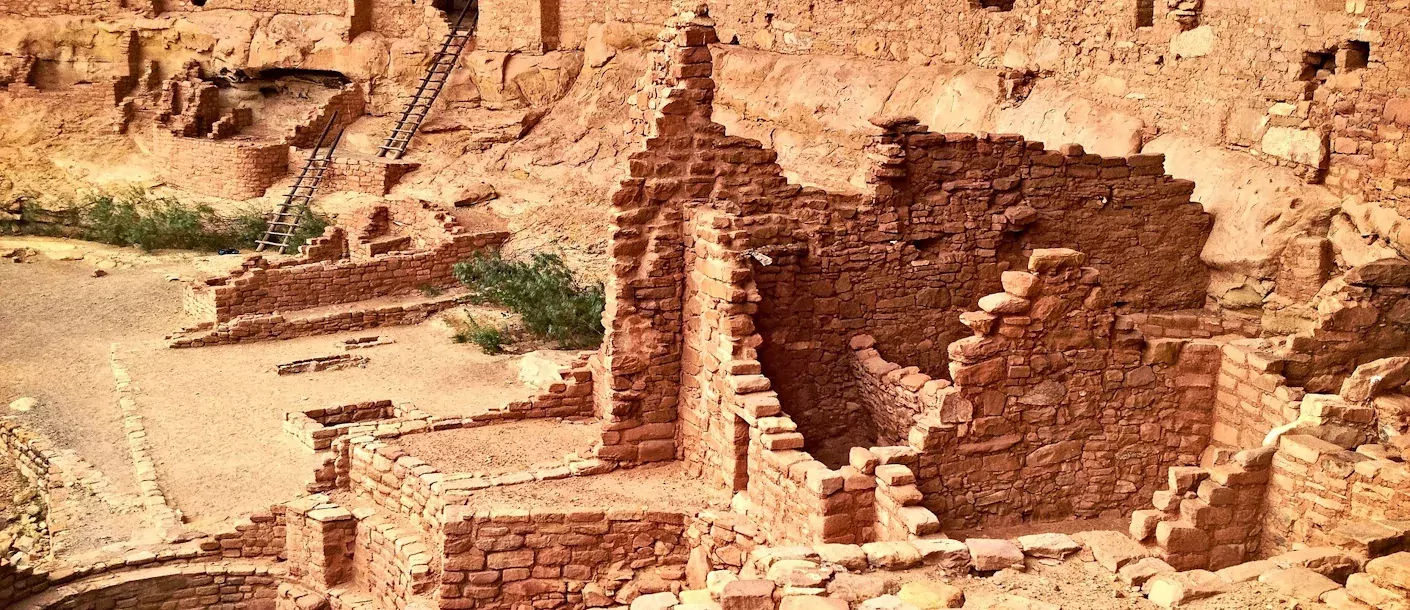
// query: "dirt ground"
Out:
[212,415]
[653,486]
[502,448]
[1078,585]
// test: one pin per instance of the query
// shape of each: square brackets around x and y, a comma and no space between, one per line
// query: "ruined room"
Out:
[684,305]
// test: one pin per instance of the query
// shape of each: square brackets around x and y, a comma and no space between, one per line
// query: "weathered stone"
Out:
[988,554]
[1051,546]
[931,595]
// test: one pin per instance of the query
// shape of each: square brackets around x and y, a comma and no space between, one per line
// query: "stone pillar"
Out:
[320,540]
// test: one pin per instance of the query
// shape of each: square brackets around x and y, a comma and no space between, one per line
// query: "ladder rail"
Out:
[285,221]
[442,65]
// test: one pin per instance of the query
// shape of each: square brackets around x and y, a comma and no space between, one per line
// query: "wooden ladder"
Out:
[432,83]
[285,221]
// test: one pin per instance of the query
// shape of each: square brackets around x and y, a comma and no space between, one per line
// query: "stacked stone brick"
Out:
[1056,408]
[360,174]
[350,103]
[1253,397]
[511,558]
[1322,494]
[241,587]
[1211,518]
[261,534]
[233,169]
[263,291]
[320,542]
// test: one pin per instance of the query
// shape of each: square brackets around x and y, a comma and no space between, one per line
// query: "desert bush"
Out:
[139,218]
[551,302]
[489,338]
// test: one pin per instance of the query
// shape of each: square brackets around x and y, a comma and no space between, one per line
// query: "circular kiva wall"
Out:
[189,586]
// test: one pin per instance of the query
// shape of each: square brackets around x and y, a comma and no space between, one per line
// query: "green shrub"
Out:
[139,218]
[543,292]
[489,338]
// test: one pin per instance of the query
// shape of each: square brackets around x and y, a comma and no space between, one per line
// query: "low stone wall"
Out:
[291,288]
[263,327]
[232,169]
[371,175]
[1208,519]
[1322,494]
[261,534]
[1057,407]
[234,586]
[549,558]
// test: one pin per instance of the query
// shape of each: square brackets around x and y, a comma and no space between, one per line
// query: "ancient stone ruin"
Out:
[912,305]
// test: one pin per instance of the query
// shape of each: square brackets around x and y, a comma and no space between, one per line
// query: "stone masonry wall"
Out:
[233,169]
[288,7]
[1252,397]
[951,212]
[1056,410]
[261,291]
[501,559]
[899,263]
[1321,494]
[1208,519]
[359,174]
[1256,66]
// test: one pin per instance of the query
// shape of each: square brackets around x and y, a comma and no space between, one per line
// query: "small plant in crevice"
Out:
[489,338]
[543,292]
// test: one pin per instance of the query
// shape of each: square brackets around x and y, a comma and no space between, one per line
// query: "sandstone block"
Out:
[989,554]
[655,601]
[1050,546]
[1138,572]
[886,602]
[1299,583]
[891,555]
[856,588]
[1112,549]
[849,556]
[747,595]
[811,602]
[931,595]
[944,552]
[1173,590]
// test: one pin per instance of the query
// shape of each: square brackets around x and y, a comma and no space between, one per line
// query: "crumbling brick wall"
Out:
[1056,409]
[49,8]
[355,173]
[350,103]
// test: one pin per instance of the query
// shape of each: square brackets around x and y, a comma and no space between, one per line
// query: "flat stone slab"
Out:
[1245,572]
[1112,549]
[1299,583]
[1172,590]
[1048,546]
[990,554]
